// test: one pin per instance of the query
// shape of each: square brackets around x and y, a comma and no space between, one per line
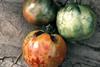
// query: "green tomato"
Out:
[39,11]
[76,21]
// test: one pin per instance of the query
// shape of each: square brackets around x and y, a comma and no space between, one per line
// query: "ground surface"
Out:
[13,28]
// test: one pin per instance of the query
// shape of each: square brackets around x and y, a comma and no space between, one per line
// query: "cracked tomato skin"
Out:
[39,11]
[41,49]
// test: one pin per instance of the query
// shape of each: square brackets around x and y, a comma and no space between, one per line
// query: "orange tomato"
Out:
[41,49]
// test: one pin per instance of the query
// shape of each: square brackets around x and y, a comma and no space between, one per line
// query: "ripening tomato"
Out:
[76,21]
[39,11]
[41,49]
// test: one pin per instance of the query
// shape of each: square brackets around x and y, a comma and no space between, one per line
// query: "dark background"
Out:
[13,28]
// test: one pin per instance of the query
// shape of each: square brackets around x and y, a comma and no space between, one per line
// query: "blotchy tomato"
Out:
[76,21]
[41,49]
[39,11]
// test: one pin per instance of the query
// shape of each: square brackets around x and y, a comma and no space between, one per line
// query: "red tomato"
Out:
[41,49]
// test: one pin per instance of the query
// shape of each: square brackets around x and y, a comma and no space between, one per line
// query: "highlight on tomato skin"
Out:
[39,11]
[41,49]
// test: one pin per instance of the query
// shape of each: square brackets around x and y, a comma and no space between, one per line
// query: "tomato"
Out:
[41,49]
[76,21]
[39,11]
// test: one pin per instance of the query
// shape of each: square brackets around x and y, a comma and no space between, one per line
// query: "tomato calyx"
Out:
[50,28]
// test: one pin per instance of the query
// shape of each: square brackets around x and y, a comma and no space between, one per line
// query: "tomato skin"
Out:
[39,11]
[76,22]
[44,50]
